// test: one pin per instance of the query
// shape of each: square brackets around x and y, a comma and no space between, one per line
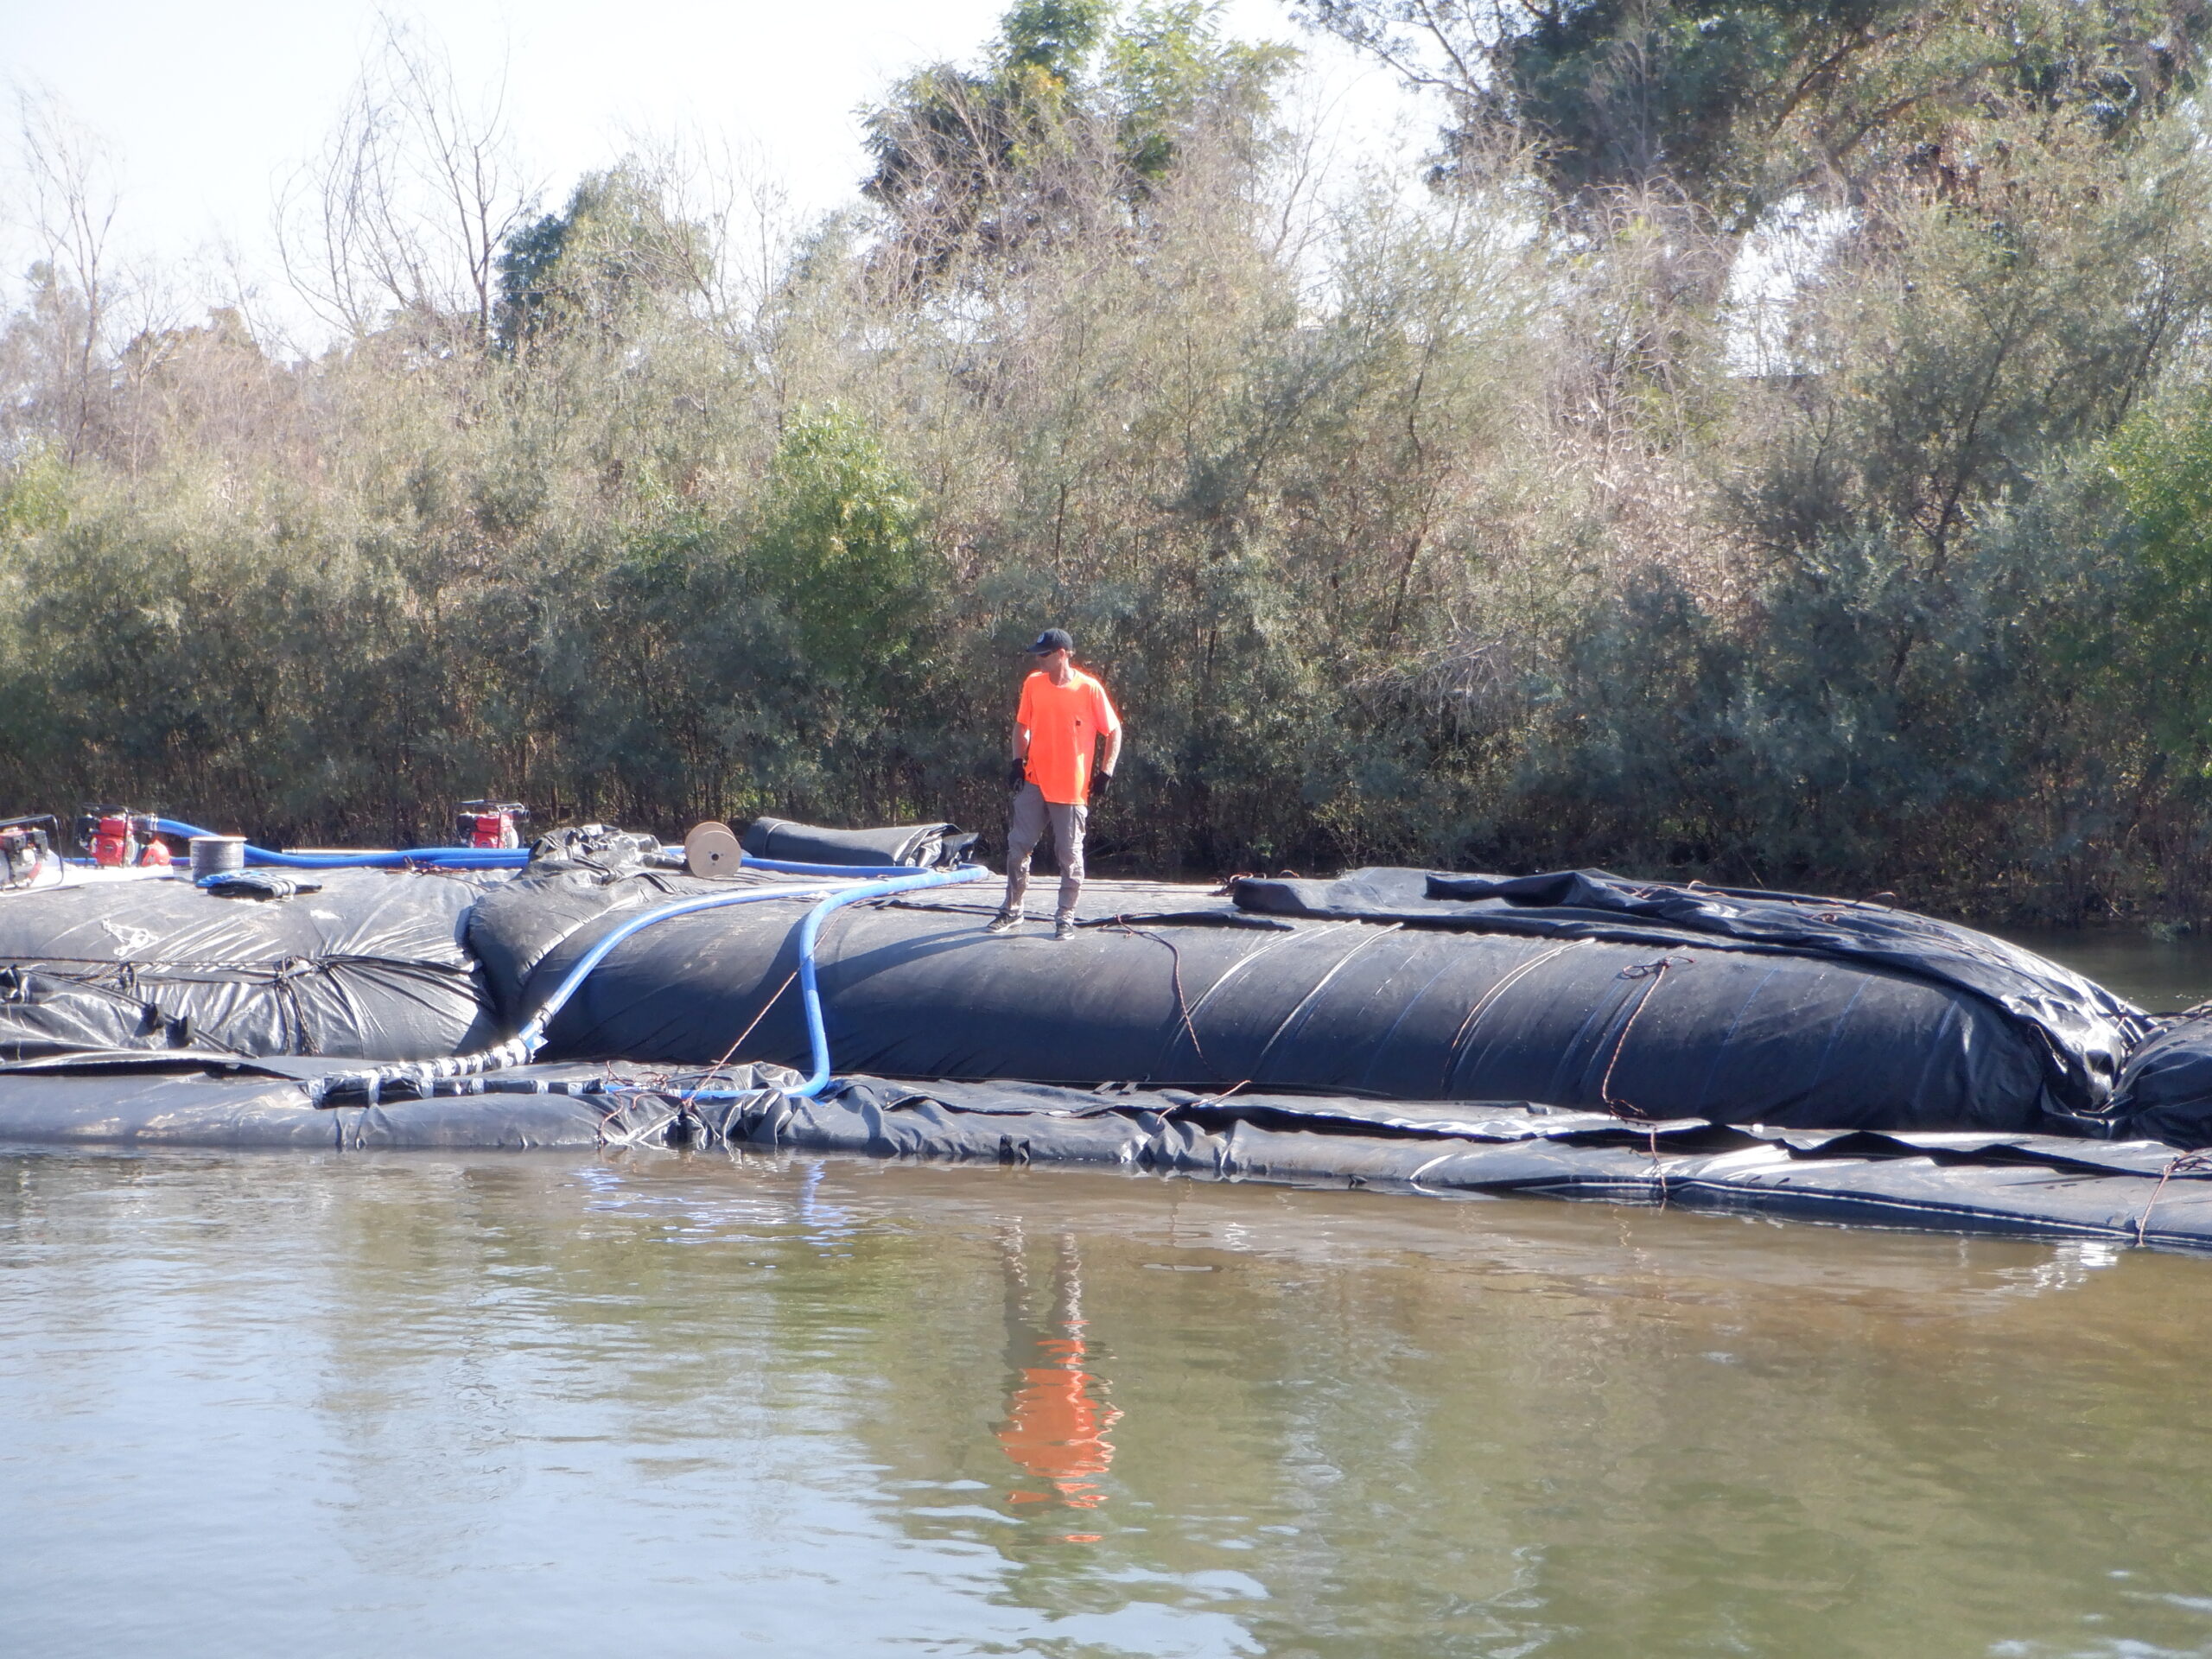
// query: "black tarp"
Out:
[1574,990]
[1748,1052]
[2085,1030]
[374,966]
[925,846]
[2029,1186]
[2165,1089]
[1164,986]
[212,1100]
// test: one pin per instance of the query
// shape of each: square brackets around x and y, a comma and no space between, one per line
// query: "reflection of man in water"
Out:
[1056,1424]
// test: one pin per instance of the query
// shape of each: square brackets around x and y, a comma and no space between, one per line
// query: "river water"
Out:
[445,1404]
[2165,975]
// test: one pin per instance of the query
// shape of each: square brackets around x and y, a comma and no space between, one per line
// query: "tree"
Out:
[74,195]
[614,247]
[407,207]
[1740,102]
[1037,143]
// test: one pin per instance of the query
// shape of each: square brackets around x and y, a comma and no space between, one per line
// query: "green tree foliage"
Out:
[1819,500]
[839,550]
[613,248]
[2161,462]
[1739,102]
[1064,129]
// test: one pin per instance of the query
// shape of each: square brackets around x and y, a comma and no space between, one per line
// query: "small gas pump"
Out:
[490,823]
[26,848]
[115,838]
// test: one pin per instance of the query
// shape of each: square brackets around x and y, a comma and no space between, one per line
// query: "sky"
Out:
[208,109]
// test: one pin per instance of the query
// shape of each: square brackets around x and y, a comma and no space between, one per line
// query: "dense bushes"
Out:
[1461,526]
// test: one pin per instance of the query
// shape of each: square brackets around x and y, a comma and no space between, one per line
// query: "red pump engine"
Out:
[26,848]
[116,838]
[496,824]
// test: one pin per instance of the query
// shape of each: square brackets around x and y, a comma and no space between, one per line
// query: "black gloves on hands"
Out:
[1017,774]
[1099,780]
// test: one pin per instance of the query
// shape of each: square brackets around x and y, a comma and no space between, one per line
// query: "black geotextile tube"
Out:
[375,966]
[119,1099]
[2165,1089]
[1212,998]
[2086,1032]
[925,846]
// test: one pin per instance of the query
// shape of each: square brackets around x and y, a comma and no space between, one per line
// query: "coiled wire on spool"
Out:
[216,855]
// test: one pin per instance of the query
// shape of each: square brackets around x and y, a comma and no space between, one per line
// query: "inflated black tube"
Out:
[1638,1030]
[2086,1032]
[920,846]
[371,967]
[523,1046]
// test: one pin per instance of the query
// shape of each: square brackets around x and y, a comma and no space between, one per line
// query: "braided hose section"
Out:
[423,1076]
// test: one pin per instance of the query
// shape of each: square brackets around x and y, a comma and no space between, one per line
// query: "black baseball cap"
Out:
[1052,639]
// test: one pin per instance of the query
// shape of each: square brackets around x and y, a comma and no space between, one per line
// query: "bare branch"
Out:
[405,208]
[74,191]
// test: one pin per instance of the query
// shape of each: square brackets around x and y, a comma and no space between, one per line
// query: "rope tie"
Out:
[2188,1163]
[1121,924]
[1505,984]
[714,1070]
[1651,973]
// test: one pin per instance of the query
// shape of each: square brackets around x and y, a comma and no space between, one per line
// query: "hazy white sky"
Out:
[209,107]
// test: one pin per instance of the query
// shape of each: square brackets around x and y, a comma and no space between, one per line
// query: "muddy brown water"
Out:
[694,1405]
[672,1404]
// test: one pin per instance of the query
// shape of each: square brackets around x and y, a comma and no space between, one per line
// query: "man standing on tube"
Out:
[1063,713]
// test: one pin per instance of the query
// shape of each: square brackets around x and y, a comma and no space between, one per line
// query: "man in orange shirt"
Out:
[1063,713]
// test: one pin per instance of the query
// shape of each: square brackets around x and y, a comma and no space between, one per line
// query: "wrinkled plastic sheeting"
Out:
[2165,1090]
[376,966]
[2033,1185]
[2084,1030]
[599,848]
[124,1097]
[2030,1186]
[925,846]
[1212,998]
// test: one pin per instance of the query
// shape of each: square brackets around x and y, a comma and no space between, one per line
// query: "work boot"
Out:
[1064,926]
[1005,922]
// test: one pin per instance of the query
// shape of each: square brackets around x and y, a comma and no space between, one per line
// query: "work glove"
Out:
[1017,774]
[1099,782]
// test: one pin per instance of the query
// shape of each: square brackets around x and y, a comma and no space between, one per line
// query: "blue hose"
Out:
[523,1046]
[809,930]
[533,1032]
[450,858]
[785,867]
[489,858]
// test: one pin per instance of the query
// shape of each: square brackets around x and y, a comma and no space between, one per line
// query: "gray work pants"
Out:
[1025,825]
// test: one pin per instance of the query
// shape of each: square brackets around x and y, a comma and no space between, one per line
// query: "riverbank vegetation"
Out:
[1757,441]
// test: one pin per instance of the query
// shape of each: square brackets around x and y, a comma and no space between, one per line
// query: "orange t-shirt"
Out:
[1065,723]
